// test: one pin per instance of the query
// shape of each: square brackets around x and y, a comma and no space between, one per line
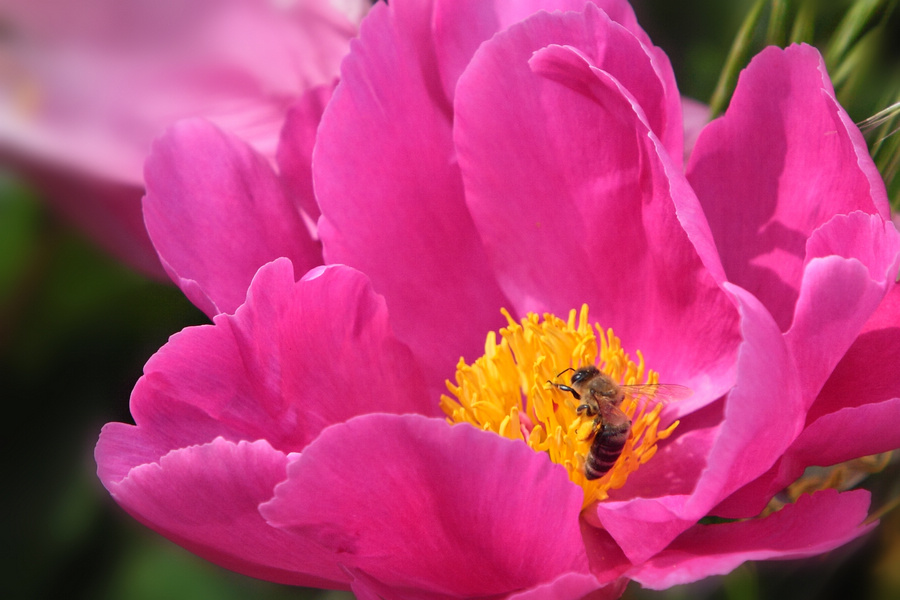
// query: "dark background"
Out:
[76,329]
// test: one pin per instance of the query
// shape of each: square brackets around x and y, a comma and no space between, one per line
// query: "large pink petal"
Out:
[570,177]
[460,27]
[391,196]
[864,379]
[747,443]
[814,524]
[294,359]
[206,499]
[216,213]
[624,50]
[783,160]
[419,504]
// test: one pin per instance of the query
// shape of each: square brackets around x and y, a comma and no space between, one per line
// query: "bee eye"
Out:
[583,373]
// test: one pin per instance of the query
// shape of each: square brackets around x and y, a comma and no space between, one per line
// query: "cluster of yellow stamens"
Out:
[509,391]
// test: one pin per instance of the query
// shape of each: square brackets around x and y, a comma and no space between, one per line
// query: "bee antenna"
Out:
[560,374]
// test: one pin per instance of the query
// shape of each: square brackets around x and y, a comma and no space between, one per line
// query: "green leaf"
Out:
[776,33]
[850,28]
[737,58]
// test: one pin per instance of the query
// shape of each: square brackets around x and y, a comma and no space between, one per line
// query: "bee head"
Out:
[583,374]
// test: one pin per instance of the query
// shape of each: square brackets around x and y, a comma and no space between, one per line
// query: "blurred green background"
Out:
[76,329]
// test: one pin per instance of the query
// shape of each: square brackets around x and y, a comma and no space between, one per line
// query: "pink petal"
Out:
[696,116]
[597,207]
[418,504]
[206,499]
[680,461]
[814,524]
[113,75]
[392,199]
[868,371]
[574,585]
[87,86]
[460,27]
[874,430]
[296,358]
[783,160]
[747,444]
[851,262]
[295,148]
[860,395]
[216,213]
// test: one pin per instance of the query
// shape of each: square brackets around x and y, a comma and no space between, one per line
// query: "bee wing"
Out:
[612,415]
[657,393]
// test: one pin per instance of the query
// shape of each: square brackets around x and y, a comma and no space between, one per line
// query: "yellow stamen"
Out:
[842,476]
[507,391]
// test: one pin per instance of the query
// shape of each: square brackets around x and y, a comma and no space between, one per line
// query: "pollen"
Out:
[510,391]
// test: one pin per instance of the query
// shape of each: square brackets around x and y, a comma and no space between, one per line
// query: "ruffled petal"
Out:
[206,498]
[590,198]
[747,443]
[216,213]
[865,378]
[296,358]
[813,525]
[783,160]
[851,263]
[461,26]
[418,504]
[391,196]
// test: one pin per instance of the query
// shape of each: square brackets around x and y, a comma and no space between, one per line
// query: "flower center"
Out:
[519,390]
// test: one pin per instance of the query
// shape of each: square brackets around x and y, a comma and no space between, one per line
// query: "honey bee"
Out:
[600,398]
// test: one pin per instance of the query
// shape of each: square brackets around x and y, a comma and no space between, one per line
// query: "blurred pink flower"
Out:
[479,155]
[86,86]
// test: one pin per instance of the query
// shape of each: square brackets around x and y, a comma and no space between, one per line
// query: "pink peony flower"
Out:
[486,155]
[84,89]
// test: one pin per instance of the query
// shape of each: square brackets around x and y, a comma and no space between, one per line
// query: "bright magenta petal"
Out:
[391,195]
[874,430]
[570,177]
[216,213]
[783,160]
[295,148]
[868,371]
[747,443]
[460,27]
[418,504]
[813,525]
[206,499]
[296,358]
[851,263]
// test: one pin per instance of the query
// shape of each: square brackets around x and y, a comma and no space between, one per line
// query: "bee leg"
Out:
[566,388]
